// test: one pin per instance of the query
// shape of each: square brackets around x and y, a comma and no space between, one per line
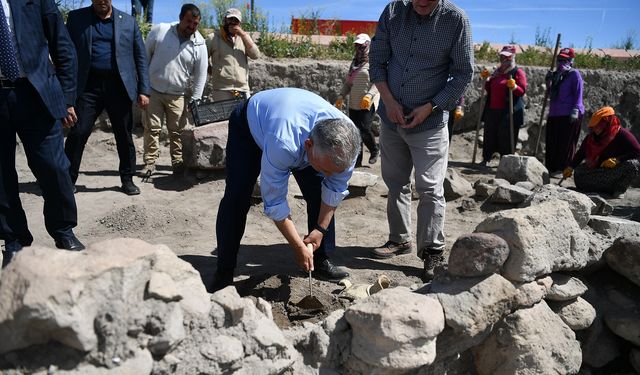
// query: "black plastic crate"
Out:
[207,112]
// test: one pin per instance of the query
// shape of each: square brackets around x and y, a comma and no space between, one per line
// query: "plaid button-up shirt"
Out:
[423,59]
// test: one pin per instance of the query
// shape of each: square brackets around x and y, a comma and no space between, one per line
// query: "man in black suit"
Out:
[37,92]
[112,73]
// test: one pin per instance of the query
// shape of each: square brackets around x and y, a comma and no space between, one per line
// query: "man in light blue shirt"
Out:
[275,134]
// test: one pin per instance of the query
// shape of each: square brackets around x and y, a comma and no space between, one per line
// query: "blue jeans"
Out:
[22,112]
[243,168]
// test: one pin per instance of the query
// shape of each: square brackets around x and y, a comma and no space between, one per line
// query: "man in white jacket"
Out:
[177,55]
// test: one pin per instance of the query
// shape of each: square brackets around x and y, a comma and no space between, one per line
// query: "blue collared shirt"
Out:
[280,121]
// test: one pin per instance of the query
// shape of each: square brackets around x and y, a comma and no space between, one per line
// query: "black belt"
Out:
[6,84]
[101,74]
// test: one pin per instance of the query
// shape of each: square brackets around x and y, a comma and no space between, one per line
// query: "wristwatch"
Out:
[320,229]
[434,107]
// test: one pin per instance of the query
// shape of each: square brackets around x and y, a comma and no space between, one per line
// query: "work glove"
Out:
[365,103]
[568,172]
[339,102]
[485,74]
[458,113]
[574,114]
[193,105]
[511,84]
[609,163]
[353,292]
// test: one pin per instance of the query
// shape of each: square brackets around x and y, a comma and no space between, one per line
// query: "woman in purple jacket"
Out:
[611,156]
[565,112]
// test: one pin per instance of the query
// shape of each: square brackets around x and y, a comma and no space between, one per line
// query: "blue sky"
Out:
[604,22]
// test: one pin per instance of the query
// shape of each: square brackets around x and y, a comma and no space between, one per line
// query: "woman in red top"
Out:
[611,156]
[507,76]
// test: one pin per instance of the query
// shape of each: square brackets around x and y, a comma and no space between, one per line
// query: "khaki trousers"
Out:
[161,105]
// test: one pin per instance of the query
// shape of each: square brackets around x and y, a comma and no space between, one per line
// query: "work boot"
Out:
[373,158]
[221,279]
[179,169]
[129,188]
[431,261]
[326,270]
[391,249]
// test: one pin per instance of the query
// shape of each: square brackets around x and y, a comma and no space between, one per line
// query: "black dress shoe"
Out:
[71,243]
[221,280]
[129,188]
[326,270]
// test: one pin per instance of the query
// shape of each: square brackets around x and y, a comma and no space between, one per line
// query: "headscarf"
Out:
[360,58]
[510,62]
[564,66]
[596,143]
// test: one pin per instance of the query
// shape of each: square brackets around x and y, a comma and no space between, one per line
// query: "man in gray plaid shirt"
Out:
[421,61]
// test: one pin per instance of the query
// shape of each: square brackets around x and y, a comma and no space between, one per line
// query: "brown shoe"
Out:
[430,263]
[391,249]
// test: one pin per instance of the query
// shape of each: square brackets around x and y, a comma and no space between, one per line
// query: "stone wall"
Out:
[618,89]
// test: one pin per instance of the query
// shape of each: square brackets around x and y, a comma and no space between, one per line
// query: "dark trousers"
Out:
[103,92]
[497,134]
[243,168]
[363,120]
[22,112]
[561,140]
[142,7]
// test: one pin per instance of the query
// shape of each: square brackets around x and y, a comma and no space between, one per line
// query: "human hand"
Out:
[236,29]
[304,257]
[143,101]
[485,74]
[417,116]
[70,120]
[458,113]
[568,172]
[339,102]
[609,163]
[511,84]
[574,114]
[365,103]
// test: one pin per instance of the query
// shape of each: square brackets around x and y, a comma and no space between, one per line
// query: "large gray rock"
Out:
[581,205]
[578,314]
[485,187]
[360,181]
[625,323]
[75,298]
[455,186]
[141,363]
[509,194]
[529,341]
[477,254]
[565,288]
[395,329]
[624,258]
[614,227]
[471,305]
[542,239]
[205,147]
[602,207]
[514,168]
[599,345]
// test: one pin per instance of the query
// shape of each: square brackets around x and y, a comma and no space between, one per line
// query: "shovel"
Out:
[310,302]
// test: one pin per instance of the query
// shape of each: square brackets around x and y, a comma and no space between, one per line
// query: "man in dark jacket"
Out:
[112,73]
[37,91]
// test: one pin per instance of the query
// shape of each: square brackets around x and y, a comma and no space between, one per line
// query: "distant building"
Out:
[306,26]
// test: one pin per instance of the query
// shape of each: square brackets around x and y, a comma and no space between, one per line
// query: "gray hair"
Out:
[339,139]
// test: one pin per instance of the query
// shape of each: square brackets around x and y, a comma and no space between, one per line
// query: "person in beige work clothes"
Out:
[228,50]
[177,56]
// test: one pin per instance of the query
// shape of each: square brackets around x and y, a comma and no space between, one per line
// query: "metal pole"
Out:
[512,142]
[482,100]
[546,96]
[252,12]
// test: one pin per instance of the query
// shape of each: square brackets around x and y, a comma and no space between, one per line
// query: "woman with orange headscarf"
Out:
[611,154]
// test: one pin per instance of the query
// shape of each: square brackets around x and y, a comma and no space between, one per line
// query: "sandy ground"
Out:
[181,213]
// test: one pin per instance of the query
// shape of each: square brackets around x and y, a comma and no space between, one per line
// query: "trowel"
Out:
[310,302]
